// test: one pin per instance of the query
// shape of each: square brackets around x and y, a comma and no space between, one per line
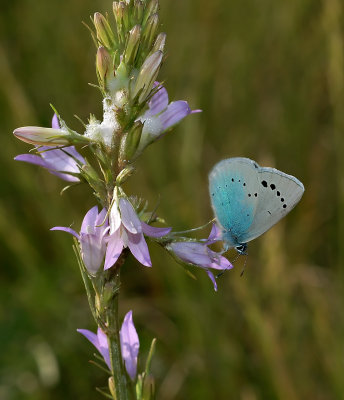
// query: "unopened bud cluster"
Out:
[136,109]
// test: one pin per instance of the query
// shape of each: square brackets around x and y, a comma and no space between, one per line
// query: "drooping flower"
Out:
[199,254]
[161,116]
[56,160]
[91,238]
[130,344]
[100,342]
[127,230]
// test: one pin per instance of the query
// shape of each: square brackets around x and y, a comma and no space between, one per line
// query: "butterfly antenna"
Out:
[243,270]
[233,261]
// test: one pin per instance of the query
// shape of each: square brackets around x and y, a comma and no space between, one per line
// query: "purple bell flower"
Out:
[55,160]
[91,238]
[199,254]
[127,230]
[130,344]
[100,342]
[161,116]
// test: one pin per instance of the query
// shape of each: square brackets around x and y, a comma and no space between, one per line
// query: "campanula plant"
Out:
[137,113]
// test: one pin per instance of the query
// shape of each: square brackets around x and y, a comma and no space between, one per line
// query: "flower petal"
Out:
[55,122]
[158,102]
[213,279]
[215,234]
[129,217]
[129,345]
[152,231]
[175,112]
[115,218]
[104,346]
[139,248]
[32,159]
[92,251]
[89,220]
[65,229]
[94,339]
[114,250]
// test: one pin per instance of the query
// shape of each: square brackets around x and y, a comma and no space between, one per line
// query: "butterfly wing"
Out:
[234,187]
[277,195]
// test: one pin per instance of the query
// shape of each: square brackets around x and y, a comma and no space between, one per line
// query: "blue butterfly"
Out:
[248,199]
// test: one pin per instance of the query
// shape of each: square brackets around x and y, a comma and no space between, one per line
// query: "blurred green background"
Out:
[269,76]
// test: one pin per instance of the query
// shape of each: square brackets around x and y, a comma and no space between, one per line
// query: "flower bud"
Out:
[147,76]
[43,136]
[132,44]
[112,387]
[119,9]
[150,30]
[138,11]
[104,31]
[151,8]
[130,141]
[104,63]
[159,42]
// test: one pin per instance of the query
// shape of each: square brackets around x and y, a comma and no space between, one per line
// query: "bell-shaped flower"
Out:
[130,344]
[91,238]
[161,116]
[127,230]
[199,254]
[58,161]
[100,342]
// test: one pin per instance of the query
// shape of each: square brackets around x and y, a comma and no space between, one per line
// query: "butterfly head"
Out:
[242,249]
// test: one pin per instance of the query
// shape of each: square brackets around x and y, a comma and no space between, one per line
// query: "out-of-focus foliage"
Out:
[269,76]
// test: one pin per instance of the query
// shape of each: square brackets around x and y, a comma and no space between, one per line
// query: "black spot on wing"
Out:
[264,183]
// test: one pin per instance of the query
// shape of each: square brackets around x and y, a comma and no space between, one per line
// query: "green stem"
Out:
[114,343]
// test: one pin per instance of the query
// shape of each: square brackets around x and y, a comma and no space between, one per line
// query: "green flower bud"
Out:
[104,31]
[119,9]
[138,11]
[104,63]
[147,75]
[151,8]
[150,30]
[112,387]
[130,141]
[48,136]
[159,42]
[132,44]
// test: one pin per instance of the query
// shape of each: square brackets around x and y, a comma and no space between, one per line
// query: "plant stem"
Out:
[114,343]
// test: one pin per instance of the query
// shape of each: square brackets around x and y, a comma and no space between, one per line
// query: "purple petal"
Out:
[114,250]
[199,254]
[55,122]
[129,345]
[129,217]
[152,231]
[104,346]
[61,160]
[89,220]
[94,339]
[65,229]
[192,252]
[212,278]
[139,248]
[215,234]
[32,159]
[92,251]
[218,261]
[175,112]
[158,102]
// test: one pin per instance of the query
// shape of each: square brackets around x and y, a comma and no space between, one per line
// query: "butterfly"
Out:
[248,199]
